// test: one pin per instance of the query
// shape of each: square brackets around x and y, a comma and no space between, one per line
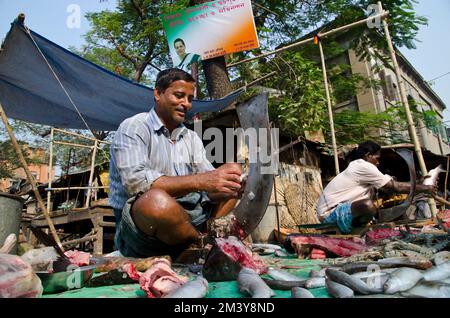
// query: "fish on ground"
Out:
[354,283]
[441,257]
[280,274]
[315,282]
[402,279]
[337,290]
[428,290]
[284,284]
[299,292]
[196,288]
[437,273]
[250,282]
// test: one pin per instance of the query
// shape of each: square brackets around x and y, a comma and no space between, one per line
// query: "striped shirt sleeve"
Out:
[131,148]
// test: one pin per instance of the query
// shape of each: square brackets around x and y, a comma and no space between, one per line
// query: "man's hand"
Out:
[222,182]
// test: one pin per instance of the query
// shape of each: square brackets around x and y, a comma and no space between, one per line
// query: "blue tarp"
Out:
[30,92]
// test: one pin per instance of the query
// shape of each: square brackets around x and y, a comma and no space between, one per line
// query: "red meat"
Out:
[336,246]
[160,279]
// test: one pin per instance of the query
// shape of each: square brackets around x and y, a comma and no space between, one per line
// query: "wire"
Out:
[58,80]
[437,77]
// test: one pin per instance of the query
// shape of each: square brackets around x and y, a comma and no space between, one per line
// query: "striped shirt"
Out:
[143,151]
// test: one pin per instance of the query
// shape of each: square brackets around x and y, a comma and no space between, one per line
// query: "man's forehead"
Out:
[181,84]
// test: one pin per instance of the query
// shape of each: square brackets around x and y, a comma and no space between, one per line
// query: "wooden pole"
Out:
[81,136]
[29,176]
[330,109]
[381,15]
[50,167]
[404,99]
[91,175]
[446,178]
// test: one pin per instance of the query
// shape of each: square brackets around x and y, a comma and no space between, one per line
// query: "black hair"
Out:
[167,77]
[365,148]
[179,40]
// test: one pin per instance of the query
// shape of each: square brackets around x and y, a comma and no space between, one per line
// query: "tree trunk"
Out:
[216,76]
[215,70]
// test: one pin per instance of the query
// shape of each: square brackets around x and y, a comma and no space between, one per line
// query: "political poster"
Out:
[209,30]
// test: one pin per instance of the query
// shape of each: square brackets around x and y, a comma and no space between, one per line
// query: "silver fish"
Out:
[315,282]
[354,283]
[314,273]
[298,292]
[441,257]
[429,290]
[196,288]
[337,290]
[434,174]
[437,273]
[373,279]
[266,246]
[282,275]
[402,279]
[249,281]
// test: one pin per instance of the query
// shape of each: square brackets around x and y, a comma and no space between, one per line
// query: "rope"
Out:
[62,86]
[59,81]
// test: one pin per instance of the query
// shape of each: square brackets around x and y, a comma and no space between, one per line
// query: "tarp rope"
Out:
[59,81]
[62,86]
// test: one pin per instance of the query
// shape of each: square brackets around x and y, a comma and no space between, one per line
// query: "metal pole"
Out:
[91,175]
[330,109]
[50,167]
[29,176]
[404,99]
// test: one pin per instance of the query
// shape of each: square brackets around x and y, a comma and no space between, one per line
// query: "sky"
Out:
[57,21]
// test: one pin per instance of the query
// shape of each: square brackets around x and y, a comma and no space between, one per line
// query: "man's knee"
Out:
[363,207]
[154,204]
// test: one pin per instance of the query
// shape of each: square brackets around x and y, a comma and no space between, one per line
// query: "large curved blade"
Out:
[390,214]
[258,187]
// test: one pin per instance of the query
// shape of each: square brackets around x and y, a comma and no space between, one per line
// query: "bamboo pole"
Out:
[382,15]
[330,109]
[91,175]
[80,240]
[81,136]
[77,188]
[29,176]
[72,144]
[446,178]
[404,99]
[50,167]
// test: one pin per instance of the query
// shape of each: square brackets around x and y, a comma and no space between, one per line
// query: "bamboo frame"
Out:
[404,99]
[330,108]
[72,144]
[29,176]
[381,15]
[91,175]
[76,188]
[81,136]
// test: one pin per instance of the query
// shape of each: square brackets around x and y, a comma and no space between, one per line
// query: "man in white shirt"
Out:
[348,198]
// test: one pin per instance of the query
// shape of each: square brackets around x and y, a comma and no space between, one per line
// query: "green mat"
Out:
[227,289]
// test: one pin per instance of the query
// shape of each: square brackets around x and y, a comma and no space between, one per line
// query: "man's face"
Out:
[173,104]
[180,48]
[373,158]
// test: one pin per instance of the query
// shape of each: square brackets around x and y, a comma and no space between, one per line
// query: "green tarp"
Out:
[216,289]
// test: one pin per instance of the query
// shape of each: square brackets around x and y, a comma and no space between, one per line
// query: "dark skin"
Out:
[364,210]
[156,212]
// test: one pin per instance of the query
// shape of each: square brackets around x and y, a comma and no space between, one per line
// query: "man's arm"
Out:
[222,182]
[405,187]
